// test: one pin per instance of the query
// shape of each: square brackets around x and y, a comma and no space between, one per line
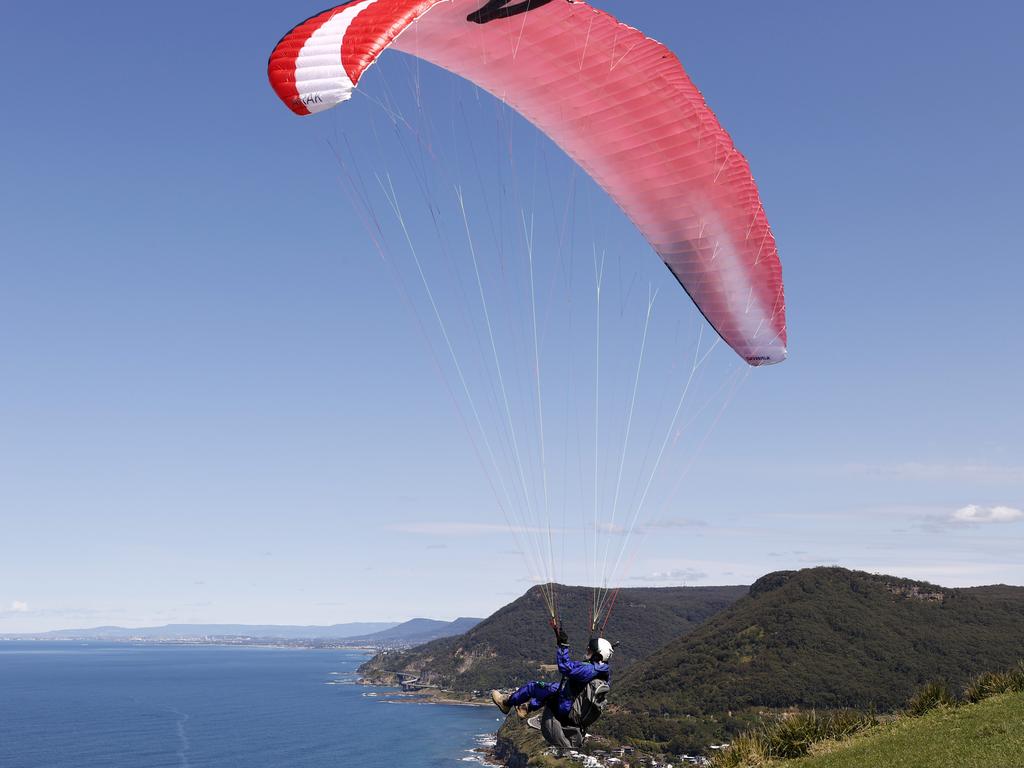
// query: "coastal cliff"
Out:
[510,755]
[518,746]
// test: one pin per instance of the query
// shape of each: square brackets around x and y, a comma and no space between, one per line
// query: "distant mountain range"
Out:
[405,634]
[193,631]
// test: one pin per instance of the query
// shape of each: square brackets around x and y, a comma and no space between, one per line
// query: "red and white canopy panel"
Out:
[619,103]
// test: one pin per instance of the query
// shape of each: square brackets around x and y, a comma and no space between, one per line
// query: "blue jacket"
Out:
[576,675]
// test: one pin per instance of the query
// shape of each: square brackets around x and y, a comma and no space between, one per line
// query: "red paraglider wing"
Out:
[619,103]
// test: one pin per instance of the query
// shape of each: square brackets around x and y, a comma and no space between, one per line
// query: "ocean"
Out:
[93,705]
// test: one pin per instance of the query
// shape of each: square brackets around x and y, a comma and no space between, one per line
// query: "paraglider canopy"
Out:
[619,103]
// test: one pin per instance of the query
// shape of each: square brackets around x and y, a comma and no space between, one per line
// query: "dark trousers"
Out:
[536,694]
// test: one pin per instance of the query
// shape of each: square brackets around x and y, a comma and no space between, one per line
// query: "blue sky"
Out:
[215,405]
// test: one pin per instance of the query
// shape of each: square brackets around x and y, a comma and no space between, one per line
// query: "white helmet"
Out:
[601,649]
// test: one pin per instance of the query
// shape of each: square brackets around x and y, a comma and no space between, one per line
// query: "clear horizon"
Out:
[214,402]
[354,621]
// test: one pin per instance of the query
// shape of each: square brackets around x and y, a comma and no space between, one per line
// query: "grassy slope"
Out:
[984,735]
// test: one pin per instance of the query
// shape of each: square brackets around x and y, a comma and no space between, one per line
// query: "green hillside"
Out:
[514,644]
[818,638]
[983,735]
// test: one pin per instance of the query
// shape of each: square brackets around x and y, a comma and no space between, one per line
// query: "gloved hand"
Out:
[560,635]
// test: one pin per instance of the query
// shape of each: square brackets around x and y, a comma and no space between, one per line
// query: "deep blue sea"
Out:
[95,705]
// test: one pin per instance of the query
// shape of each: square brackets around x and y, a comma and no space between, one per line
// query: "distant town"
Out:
[607,758]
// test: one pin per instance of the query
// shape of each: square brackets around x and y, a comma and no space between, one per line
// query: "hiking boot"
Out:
[523,711]
[501,701]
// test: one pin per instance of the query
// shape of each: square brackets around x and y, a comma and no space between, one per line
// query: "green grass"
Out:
[988,734]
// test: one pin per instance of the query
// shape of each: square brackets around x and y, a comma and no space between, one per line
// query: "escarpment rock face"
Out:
[515,644]
[510,754]
[434,670]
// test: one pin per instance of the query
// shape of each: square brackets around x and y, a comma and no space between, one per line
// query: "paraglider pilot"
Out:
[576,675]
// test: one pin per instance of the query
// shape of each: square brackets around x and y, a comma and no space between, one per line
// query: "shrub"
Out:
[935,694]
[790,737]
[746,751]
[793,736]
[990,684]
[1017,677]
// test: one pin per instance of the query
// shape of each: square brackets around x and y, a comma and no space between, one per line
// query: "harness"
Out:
[588,700]
[569,730]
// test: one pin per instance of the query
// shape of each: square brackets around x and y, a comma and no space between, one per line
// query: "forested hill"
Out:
[515,643]
[823,638]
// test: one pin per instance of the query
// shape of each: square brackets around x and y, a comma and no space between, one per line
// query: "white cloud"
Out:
[965,471]
[604,528]
[974,513]
[674,522]
[19,606]
[609,528]
[675,575]
[461,529]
